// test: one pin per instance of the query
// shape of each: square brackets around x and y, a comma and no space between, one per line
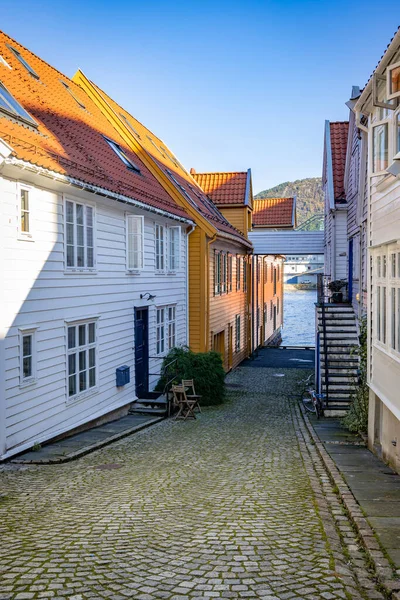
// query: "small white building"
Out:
[378,114]
[303,269]
[93,260]
[335,229]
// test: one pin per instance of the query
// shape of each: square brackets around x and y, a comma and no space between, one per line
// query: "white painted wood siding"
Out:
[39,293]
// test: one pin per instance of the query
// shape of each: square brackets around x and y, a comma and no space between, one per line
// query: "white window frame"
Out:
[174,259]
[25,381]
[88,391]
[391,95]
[171,326]
[160,257]
[160,330]
[374,125]
[25,235]
[140,219]
[238,341]
[75,268]
[383,315]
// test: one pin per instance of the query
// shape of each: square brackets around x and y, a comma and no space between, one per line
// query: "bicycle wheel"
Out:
[308,403]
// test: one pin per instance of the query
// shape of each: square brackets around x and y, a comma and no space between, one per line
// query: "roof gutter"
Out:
[59,177]
[229,236]
[366,93]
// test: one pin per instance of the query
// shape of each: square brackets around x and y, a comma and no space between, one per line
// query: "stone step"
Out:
[149,406]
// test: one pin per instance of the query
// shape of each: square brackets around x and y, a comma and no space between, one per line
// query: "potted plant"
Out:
[336,287]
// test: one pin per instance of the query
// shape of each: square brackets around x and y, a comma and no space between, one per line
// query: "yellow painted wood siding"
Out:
[237,216]
[224,307]
[197,324]
[264,301]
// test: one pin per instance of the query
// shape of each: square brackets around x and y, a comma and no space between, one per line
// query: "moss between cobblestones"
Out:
[222,506]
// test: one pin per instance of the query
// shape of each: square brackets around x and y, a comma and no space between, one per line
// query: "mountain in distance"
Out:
[310,198]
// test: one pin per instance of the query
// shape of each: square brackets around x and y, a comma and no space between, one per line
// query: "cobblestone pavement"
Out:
[231,505]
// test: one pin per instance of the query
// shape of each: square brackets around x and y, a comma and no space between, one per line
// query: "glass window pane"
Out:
[70,256]
[378,265]
[80,235]
[394,80]
[92,357]
[69,212]
[82,381]
[24,200]
[384,265]
[8,102]
[393,324]
[90,257]
[92,332]
[393,265]
[92,377]
[384,315]
[79,214]
[80,256]
[71,364]
[71,337]
[82,335]
[70,233]
[72,385]
[25,221]
[27,345]
[380,147]
[82,360]
[378,313]
[27,367]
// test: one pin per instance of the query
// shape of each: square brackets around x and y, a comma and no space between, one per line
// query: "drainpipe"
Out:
[333,265]
[207,281]
[190,230]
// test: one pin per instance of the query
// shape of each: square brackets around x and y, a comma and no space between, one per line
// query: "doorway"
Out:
[141,352]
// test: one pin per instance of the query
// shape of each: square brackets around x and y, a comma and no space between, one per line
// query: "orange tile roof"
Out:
[168,162]
[274,212]
[69,139]
[339,132]
[223,188]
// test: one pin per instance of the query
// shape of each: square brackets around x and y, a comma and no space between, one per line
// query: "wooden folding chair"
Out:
[188,384]
[185,406]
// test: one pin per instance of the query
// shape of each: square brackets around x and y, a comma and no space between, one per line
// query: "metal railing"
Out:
[330,291]
[167,373]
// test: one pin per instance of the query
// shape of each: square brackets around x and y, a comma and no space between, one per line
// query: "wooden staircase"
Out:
[338,336]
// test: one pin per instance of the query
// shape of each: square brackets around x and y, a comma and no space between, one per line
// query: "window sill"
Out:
[27,383]
[80,272]
[134,272]
[82,396]
[171,273]
[26,237]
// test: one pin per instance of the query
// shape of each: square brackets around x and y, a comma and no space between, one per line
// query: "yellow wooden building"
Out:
[219,278]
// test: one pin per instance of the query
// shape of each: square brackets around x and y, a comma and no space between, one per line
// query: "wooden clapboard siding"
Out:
[237,216]
[224,307]
[39,294]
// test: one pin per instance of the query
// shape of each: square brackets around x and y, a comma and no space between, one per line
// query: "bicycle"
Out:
[313,402]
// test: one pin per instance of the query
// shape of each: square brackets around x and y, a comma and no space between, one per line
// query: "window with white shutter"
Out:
[135,252]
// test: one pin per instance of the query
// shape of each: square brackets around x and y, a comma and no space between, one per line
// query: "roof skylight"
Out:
[122,155]
[155,145]
[9,104]
[4,62]
[23,62]
[72,94]
[129,124]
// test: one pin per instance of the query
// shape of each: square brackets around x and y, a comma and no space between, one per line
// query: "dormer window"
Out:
[23,62]
[9,105]
[129,124]
[72,94]
[393,81]
[122,155]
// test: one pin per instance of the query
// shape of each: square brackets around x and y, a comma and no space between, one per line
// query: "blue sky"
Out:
[227,85]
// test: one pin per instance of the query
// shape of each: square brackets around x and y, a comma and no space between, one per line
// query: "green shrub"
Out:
[356,419]
[205,368]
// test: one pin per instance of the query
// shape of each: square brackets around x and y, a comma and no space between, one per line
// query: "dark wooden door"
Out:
[141,352]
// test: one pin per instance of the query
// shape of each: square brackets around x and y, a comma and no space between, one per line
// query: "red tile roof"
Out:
[168,162]
[223,188]
[70,139]
[273,212]
[339,132]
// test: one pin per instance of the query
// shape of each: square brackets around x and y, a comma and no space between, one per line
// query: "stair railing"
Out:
[323,314]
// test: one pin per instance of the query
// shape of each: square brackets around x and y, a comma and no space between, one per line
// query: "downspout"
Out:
[333,265]
[207,282]
[191,229]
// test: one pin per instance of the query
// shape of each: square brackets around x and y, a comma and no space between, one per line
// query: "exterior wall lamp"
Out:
[149,296]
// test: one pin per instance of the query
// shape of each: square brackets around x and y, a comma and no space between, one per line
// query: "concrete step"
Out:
[149,406]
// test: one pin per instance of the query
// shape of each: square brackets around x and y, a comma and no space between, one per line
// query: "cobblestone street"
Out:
[231,505]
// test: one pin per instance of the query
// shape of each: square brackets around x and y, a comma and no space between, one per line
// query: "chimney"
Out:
[192,171]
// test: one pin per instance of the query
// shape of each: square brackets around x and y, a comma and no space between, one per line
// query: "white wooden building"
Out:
[93,261]
[378,114]
[335,229]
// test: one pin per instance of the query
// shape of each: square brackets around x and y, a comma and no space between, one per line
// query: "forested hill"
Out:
[309,196]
